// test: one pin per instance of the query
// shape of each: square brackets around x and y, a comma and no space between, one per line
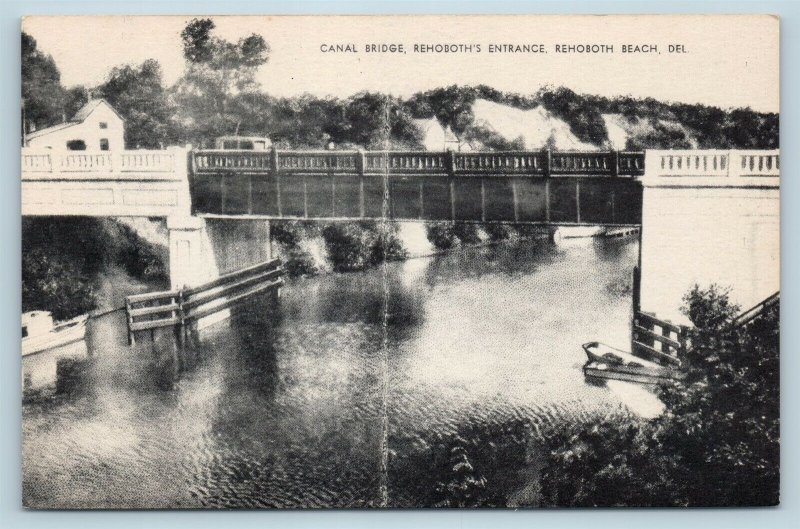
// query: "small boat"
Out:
[605,354]
[613,233]
[577,232]
[608,362]
[40,333]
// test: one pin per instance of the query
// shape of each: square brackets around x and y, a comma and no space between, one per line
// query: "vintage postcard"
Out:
[400,261]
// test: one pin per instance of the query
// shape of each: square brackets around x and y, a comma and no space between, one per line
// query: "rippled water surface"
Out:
[286,407]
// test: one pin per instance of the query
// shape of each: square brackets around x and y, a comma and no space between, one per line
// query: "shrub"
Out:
[385,243]
[441,235]
[285,233]
[359,245]
[298,262]
[53,282]
[478,465]
[466,232]
[291,232]
[346,247]
[497,232]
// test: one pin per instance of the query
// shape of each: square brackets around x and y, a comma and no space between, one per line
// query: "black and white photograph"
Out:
[406,261]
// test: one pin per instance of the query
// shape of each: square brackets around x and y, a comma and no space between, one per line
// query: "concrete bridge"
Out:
[706,216]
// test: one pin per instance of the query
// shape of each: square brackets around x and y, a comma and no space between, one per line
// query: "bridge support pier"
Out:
[202,249]
[709,217]
[189,262]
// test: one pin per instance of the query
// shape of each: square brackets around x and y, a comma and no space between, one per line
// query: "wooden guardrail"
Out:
[666,342]
[657,339]
[177,308]
[753,312]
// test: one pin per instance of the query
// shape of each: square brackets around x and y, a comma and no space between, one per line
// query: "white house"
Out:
[96,126]
[435,137]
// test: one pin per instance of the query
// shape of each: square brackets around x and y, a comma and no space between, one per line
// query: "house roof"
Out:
[48,130]
[79,117]
[90,107]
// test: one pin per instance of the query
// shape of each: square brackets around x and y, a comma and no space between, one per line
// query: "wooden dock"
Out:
[178,308]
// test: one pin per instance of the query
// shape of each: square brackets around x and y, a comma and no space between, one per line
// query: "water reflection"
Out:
[283,408]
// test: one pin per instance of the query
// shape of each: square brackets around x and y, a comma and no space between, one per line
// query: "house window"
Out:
[103,125]
[76,145]
[24,331]
[104,144]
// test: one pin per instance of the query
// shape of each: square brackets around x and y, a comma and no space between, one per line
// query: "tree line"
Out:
[218,94]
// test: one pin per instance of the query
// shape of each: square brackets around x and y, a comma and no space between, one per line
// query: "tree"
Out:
[216,70]
[76,97]
[583,118]
[374,119]
[137,93]
[452,106]
[43,96]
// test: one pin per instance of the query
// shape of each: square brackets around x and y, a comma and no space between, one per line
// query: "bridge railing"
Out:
[713,163]
[523,163]
[756,163]
[48,163]
[526,163]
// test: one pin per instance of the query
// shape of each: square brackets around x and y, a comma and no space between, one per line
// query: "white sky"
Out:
[732,61]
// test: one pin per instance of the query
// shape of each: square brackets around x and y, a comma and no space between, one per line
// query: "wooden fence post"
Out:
[181,320]
[129,320]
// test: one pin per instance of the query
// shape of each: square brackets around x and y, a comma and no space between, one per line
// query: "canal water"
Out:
[329,398]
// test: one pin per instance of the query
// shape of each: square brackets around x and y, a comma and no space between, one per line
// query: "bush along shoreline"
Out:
[311,248]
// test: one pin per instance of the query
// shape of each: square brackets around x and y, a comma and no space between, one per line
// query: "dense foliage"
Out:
[360,245]
[474,467]
[446,235]
[348,246]
[61,258]
[717,443]
[44,101]
[138,94]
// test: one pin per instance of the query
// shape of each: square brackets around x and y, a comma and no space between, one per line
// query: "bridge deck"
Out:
[527,187]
